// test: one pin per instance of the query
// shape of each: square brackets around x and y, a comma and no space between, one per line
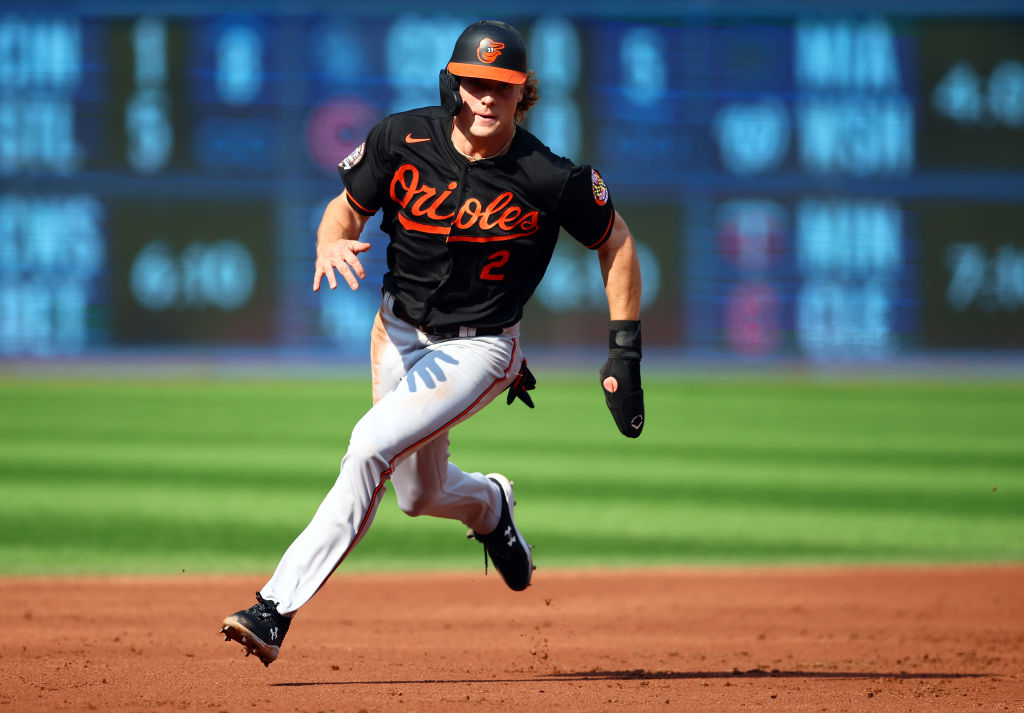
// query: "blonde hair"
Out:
[530,97]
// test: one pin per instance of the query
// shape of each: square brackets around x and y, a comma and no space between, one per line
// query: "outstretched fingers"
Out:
[340,257]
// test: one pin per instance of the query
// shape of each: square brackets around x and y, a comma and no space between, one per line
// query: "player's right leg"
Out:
[339,523]
[260,629]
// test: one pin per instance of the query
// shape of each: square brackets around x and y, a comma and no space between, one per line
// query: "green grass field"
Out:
[175,473]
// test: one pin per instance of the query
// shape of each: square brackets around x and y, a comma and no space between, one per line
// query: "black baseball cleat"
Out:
[260,629]
[505,546]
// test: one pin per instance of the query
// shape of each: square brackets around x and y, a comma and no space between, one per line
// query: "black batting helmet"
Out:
[490,49]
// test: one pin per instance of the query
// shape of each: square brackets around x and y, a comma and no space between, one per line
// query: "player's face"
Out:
[489,107]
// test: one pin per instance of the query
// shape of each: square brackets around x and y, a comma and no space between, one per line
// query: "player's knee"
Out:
[415,504]
[363,448]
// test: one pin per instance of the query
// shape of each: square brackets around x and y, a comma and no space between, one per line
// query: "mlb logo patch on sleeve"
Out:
[600,189]
[353,158]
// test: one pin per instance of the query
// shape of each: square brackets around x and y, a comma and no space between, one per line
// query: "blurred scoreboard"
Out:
[832,187]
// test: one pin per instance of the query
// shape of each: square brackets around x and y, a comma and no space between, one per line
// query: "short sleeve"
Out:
[585,208]
[365,171]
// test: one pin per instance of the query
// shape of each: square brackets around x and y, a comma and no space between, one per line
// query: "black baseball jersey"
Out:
[470,240]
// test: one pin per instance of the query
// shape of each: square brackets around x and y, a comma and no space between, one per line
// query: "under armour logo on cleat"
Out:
[273,633]
[509,534]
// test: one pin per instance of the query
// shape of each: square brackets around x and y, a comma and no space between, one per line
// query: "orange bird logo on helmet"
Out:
[488,50]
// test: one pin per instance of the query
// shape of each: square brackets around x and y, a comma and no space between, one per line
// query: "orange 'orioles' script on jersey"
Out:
[470,240]
[498,214]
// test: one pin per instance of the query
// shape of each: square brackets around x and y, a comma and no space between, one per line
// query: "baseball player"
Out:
[473,204]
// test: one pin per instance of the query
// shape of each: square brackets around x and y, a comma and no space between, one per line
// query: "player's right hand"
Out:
[340,255]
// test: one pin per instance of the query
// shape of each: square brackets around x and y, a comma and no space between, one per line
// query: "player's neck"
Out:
[478,149]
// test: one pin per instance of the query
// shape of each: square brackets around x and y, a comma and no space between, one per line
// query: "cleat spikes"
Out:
[254,627]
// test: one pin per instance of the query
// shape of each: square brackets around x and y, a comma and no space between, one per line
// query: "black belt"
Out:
[447,332]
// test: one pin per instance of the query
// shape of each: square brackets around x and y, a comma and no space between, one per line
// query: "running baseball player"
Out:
[473,204]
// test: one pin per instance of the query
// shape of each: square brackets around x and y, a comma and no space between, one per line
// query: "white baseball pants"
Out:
[422,387]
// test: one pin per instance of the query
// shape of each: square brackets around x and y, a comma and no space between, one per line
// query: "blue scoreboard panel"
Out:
[835,186]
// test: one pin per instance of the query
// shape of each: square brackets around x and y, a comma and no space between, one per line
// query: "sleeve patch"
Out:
[600,189]
[353,158]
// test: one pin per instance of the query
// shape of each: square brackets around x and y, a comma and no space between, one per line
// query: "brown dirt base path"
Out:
[881,639]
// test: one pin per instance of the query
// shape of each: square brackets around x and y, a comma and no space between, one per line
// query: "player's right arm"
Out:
[338,245]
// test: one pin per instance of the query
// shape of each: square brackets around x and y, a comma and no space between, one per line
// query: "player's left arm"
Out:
[620,269]
[620,375]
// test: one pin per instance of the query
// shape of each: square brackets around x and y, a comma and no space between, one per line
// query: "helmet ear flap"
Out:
[451,99]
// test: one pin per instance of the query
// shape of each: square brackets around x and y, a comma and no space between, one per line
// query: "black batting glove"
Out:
[524,382]
[626,402]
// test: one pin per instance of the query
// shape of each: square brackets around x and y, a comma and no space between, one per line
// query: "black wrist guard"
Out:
[626,403]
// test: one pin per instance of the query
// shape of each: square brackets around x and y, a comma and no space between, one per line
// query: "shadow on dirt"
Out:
[641,674]
[644,675]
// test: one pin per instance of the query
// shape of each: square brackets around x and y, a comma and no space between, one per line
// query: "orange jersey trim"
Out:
[604,236]
[358,206]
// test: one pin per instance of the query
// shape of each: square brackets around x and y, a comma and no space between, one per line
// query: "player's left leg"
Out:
[428,483]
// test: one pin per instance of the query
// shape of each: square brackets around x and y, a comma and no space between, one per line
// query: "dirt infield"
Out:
[884,639]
